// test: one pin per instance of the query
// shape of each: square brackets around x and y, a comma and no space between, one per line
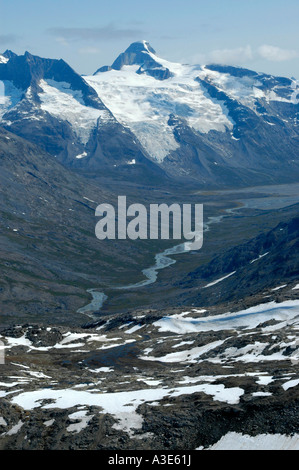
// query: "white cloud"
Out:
[276,54]
[88,50]
[108,32]
[245,54]
[228,56]
[7,39]
[62,41]
[235,56]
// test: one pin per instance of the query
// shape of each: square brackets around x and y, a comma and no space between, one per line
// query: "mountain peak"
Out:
[142,54]
[4,58]
[138,53]
[9,54]
[140,46]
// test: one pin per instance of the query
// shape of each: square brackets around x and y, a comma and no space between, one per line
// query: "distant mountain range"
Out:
[144,118]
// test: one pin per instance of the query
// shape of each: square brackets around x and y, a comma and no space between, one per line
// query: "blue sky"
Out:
[262,35]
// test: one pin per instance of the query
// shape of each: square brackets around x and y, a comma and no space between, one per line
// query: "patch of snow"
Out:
[38,375]
[150,382]
[182,343]
[236,441]
[290,384]
[260,256]
[219,280]
[87,199]
[264,380]
[83,421]
[81,155]
[285,312]
[190,355]
[279,287]
[15,429]
[10,96]
[122,405]
[145,104]
[102,369]
[133,329]
[49,423]
[2,421]
[3,60]
[59,100]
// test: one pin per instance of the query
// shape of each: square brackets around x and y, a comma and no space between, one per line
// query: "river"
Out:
[162,260]
[260,197]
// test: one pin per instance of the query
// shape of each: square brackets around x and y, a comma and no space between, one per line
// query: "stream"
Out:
[274,197]
[162,260]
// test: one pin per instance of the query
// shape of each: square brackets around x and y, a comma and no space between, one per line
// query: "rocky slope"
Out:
[153,379]
[266,261]
[49,254]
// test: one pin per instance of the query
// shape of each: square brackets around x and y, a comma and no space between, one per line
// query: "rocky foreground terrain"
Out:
[173,379]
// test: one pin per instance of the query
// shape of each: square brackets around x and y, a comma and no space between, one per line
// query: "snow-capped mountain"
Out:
[49,104]
[199,119]
[145,115]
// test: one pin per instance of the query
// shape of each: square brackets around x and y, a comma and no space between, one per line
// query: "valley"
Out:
[144,344]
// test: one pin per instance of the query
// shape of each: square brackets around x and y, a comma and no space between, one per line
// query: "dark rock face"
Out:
[39,336]
[27,70]
[138,53]
[262,263]
[262,146]
[159,73]
[9,54]
[43,337]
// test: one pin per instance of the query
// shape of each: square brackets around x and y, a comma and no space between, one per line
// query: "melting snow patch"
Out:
[236,441]
[290,384]
[82,423]
[219,280]
[277,288]
[122,405]
[265,380]
[59,100]
[49,423]
[190,355]
[133,329]
[87,199]
[2,421]
[260,256]
[82,155]
[15,429]
[249,318]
